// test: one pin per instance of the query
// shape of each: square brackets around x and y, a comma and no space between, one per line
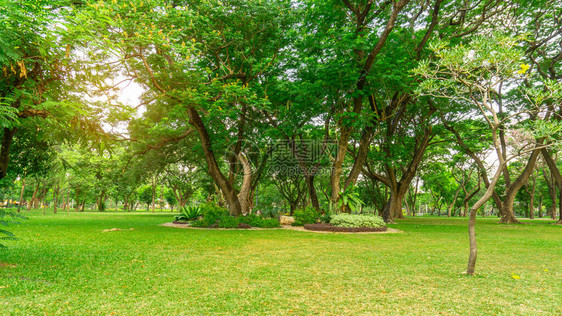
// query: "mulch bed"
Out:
[240,225]
[327,227]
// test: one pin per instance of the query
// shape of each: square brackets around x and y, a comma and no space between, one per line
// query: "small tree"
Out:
[473,75]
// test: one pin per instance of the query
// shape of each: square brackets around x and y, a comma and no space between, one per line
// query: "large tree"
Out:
[203,65]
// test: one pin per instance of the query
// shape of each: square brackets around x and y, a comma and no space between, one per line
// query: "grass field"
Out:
[66,264]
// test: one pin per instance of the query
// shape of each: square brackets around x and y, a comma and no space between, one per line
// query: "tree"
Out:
[475,74]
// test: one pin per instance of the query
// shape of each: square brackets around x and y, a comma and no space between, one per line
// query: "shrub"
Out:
[189,213]
[216,216]
[307,215]
[267,223]
[229,222]
[355,220]
[326,217]
[212,213]
[256,221]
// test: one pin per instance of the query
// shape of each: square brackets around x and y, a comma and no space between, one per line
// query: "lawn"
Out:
[66,264]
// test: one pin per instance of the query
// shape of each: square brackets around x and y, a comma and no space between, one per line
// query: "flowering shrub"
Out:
[356,220]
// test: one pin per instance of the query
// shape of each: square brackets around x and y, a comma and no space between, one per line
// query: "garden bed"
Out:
[181,223]
[188,225]
[327,227]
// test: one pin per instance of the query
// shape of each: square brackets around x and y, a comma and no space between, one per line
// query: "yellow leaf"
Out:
[524,68]
[515,276]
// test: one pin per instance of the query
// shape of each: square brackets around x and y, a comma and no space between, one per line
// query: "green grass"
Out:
[65,264]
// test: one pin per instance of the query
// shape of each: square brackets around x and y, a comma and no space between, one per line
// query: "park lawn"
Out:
[66,264]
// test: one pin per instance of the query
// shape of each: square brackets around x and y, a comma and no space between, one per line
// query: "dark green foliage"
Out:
[212,213]
[189,213]
[269,223]
[215,216]
[6,216]
[229,222]
[325,218]
[257,221]
[307,215]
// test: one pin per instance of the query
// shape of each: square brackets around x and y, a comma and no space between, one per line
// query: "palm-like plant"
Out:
[350,199]
[189,213]
[5,218]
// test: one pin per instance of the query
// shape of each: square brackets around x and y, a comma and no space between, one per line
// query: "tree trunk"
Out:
[32,201]
[226,188]
[452,205]
[309,179]
[337,166]
[153,193]
[101,201]
[21,194]
[393,208]
[415,196]
[244,194]
[506,211]
[7,138]
[56,192]
[559,207]
[555,172]
[472,220]
[77,201]
[532,207]
[531,199]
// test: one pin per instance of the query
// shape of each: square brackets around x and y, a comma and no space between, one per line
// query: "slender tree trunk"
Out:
[153,193]
[56,193]
[32,201]
[559,207]
[539,210]
[531,199]
[452,205]
[416,195]
[77,201]
[558,177]
[472,220]
[67,201]
[21,194]
[550,181]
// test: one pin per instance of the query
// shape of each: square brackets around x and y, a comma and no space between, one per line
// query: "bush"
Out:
[216,216]
[229,222]
[256,221]
[326,217]
[268,223]
[212,214]
[307,215]
[355,220]
[189,213]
